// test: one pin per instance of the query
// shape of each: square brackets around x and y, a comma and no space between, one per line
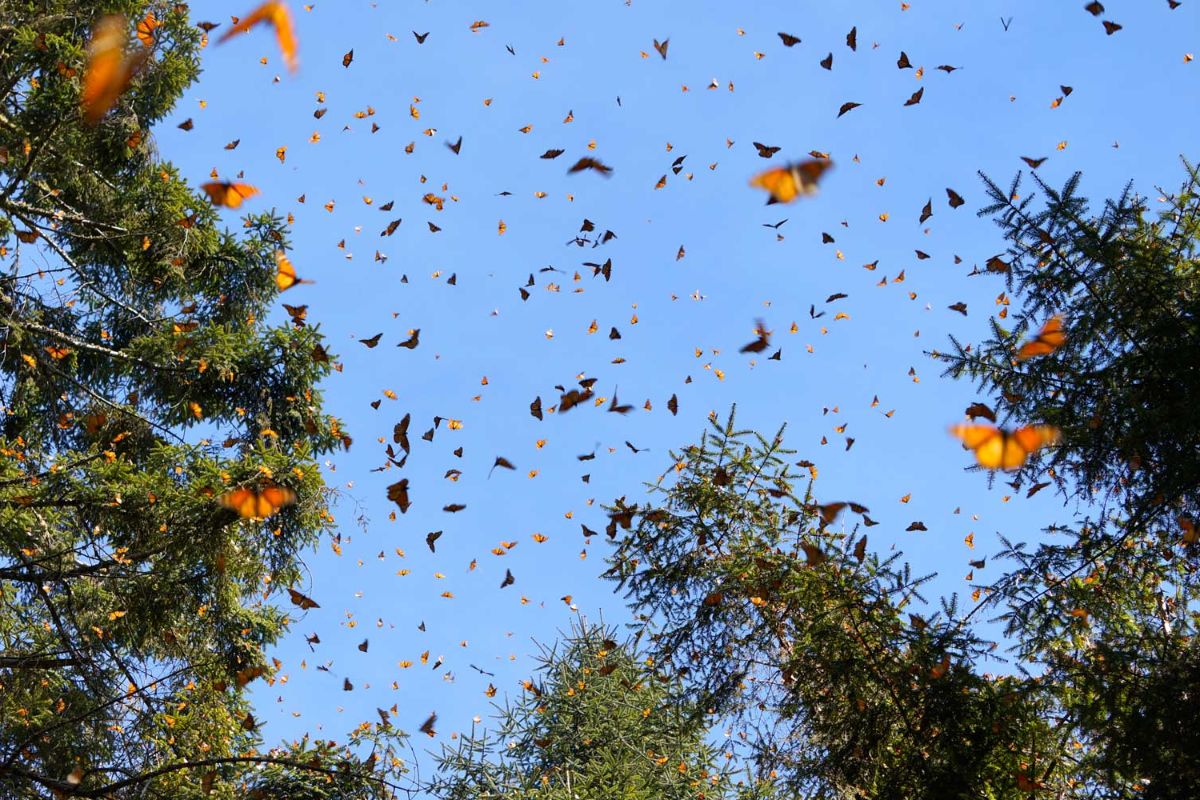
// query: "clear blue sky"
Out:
[1132,88]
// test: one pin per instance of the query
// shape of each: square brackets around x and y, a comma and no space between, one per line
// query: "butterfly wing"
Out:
[1014,449]
[260,14]
[305,602]
[215,191]
[780,183]
[108,72]
[145,29]
[276,14]
[285,34]
[986,441]
[258,503]
[829,512]
[275,497]
[229,195]
[1034,437]
[787,183]
[285,273]
[998,449]
[808,173]
[974,436]
[1050,338]
[239,192]
[243,501]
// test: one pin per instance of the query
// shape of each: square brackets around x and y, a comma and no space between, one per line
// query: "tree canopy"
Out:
[798,631]
[140,387]
[165,446]
[597,719]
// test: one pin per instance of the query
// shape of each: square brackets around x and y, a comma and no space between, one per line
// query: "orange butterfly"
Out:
[790,181]
[145,29]
[109,70]
[277,15]
[285,275]
[230,195]
[258,502]
[996,448]
[1049,338]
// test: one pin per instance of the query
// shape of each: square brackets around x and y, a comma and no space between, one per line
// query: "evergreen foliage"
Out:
[597,720]
[1107,603]
[803,638]
[140,383]
[1122,388]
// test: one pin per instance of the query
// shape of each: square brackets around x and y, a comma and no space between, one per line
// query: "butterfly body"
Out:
[790,181]
[109,70]
[277,15]
[996,448]
[258,502]
[228,194]
[285,273]
[1049,338]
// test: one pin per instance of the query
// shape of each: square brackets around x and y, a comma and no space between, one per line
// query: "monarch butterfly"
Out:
[588,163]
[790,181]
[276,14]
[814,555]
[829,511]
[145,29]
[285,274]
[258,502]
[304,601]
[1049,338]
[299,314]
[109,71]
[996,448]
[230,195]
[763,340]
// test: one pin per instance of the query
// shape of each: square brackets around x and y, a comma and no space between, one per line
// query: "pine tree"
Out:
[1106,604]
[596,720]
[803,638]
[141,385]
[800,637]
[1122,387]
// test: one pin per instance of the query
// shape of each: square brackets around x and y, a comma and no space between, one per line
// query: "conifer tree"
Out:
[1122,387]
[596,720]
[140,384]
[800,637]
[1106,603]
[817,650]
